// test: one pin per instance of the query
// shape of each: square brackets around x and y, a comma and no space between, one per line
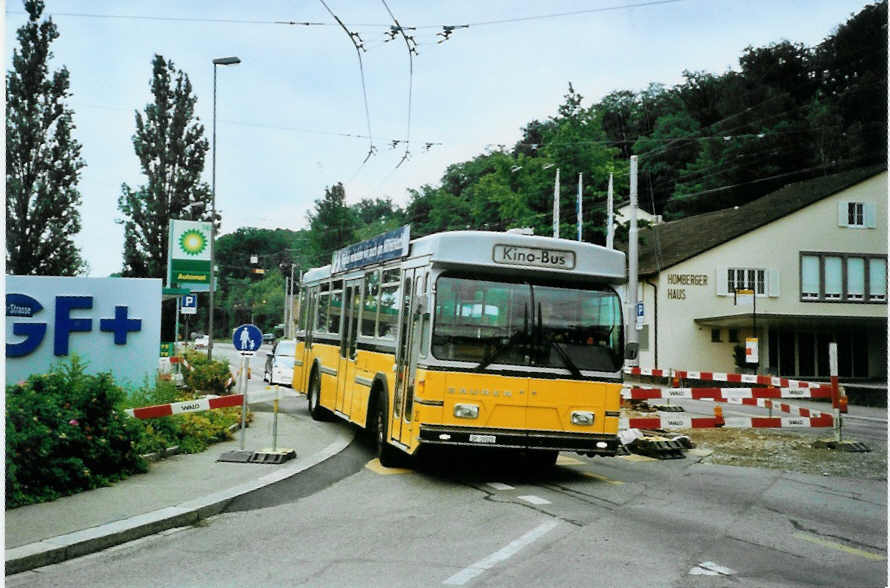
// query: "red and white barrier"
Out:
[197,405]
[723,377]
[723,394]
[208,403]
[683,421]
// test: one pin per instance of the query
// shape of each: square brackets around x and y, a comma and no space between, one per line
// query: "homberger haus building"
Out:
[815,255]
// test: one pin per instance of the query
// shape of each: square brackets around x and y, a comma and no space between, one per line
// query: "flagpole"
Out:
[580,220]
[556,206]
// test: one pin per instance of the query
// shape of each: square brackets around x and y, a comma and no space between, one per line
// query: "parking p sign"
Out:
[189,304]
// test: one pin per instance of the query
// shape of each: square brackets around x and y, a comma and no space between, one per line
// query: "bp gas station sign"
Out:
[188,263]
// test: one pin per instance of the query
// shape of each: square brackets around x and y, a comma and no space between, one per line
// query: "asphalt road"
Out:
[482,521]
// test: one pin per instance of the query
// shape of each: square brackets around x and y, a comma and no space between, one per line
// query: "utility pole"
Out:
[610,220]
[632,278]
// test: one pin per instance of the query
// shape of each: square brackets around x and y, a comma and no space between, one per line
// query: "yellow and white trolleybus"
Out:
[467,338]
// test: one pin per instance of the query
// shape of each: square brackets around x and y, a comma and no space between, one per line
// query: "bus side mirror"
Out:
[631,350]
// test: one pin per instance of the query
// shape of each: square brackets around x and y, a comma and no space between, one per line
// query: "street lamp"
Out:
[217,61]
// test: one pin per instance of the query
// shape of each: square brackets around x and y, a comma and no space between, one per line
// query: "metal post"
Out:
[176,325]
[290,306]
[580,206]
[610,221]
[218,61]
[633,254]
[213,232]
[275,421]
[832,370]
[244,362]
[556,206]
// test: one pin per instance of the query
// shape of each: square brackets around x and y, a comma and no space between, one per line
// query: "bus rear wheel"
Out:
[388,455]
[313,399]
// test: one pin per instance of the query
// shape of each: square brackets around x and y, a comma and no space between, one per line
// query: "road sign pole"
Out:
[244,362]
[275,421]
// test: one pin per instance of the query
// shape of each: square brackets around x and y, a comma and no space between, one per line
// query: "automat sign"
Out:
[113,324]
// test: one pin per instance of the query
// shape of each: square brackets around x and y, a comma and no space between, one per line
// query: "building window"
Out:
[809,277]
[746,279]
[877,279]
[715,335]
[843,277]
[733,335]
[855,214]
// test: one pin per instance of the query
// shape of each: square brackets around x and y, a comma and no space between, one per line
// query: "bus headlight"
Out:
[466,411]
[582,418]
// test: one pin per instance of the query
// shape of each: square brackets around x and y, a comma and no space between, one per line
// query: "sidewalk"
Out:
[175,492]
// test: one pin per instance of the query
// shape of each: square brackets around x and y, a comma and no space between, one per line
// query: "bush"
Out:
[64,435]
[66,431]
[206,375]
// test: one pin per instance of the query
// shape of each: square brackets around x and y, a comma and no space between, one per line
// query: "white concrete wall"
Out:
[682,344]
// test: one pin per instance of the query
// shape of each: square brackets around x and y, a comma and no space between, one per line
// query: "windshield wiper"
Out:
[497,349]
[566,359]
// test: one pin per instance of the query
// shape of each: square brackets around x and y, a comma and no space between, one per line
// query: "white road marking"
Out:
[500,486]
[709,568]
[532,499]
[473,570]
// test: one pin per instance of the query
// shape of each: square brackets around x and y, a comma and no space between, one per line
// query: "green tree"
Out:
[332,225]
[42,158]
[170,144]
[376,216]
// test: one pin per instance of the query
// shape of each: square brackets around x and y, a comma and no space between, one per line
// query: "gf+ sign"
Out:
[22,305]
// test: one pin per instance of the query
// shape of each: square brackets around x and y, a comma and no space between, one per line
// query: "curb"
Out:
[80,543]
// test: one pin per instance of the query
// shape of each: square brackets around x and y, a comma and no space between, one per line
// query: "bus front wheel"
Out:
[388,455]
[313,399]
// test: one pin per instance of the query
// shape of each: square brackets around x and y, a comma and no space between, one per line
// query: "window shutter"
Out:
[721,281]
[842,214]
[869,213]
[774,290]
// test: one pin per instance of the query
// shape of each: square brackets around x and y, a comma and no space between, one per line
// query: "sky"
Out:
[291,117]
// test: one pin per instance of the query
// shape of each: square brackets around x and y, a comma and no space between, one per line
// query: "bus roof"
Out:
[511,253]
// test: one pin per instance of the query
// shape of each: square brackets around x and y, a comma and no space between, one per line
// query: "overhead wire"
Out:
[357,43]
[412,51]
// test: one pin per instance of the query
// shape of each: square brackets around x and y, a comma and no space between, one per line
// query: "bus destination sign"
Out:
[534,256]
[390,245]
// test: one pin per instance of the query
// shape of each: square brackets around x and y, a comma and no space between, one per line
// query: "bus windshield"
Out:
[529,324]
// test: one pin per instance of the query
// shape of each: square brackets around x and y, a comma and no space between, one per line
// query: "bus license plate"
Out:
[482,438]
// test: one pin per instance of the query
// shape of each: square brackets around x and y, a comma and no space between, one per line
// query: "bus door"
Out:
[409,346]
[346,368]
[303,358]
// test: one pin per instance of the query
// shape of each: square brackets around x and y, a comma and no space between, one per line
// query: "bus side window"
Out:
[321,313]
[369,310]
[336,307]
[389,304]
[301,311]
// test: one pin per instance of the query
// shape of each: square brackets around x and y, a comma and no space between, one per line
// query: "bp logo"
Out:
[193,242]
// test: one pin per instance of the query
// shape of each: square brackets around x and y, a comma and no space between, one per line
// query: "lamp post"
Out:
[217,61]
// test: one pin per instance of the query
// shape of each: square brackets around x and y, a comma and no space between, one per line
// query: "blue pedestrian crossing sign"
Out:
[247,339]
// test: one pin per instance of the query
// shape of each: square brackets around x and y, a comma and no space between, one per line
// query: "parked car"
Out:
[202,342]
[268,337]
[280,363]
